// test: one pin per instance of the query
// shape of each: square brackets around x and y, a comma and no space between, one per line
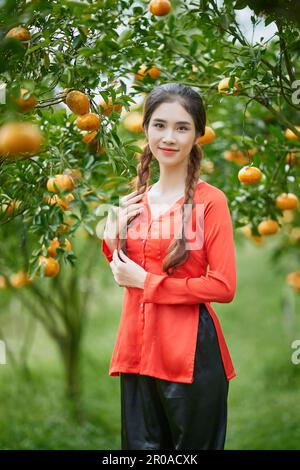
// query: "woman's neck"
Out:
[164,187]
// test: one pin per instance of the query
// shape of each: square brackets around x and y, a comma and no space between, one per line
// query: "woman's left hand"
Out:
[127,273]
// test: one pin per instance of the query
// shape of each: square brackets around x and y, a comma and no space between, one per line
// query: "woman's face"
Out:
[171,127]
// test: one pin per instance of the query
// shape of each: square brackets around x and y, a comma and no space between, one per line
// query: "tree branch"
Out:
[284,50]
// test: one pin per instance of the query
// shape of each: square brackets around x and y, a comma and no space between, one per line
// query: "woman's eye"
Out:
[181,127]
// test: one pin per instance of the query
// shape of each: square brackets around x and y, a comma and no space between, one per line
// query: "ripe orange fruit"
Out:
[63,182]
[90,137]
[208,137]
[290,134]
[51,265]
[108,108]
[240,157]
[287,201]
[63,228]
[223,84]
[26,104]
[66,227]
[249,174]
[268,227]
[55,243]
[10,207]
[94,144]
[88,122]
[236,156]
[20,139]
[63,203]
[291,157]
[160,7]
[133,122]
[250,152]
[258,239]
[19,33]
[287,217]
[77,102]
[20,279]
[293,280]
[154,72]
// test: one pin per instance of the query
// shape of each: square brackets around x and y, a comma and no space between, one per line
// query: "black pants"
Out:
[160,414]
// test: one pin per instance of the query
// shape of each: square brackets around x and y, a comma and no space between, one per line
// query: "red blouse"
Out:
[158,328]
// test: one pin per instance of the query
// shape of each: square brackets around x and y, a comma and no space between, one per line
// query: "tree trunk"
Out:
[70,351]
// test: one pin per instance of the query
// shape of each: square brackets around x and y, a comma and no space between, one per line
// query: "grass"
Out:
[263,409]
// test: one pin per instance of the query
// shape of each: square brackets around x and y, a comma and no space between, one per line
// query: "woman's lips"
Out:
[168,152]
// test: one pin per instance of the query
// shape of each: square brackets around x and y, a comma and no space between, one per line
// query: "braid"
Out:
[140,184]
[177,253]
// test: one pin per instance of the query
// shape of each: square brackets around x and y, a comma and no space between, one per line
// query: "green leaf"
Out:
[77,41]
[138,10]
[240,4]
[89,162]
[104,94]
[194,47]
[276,132]
[269,20]
[134,148]
[171,23]
[231,81]
[123,86]
[112,44]
[125,36]
[34,48]
[116,179]
[46,61]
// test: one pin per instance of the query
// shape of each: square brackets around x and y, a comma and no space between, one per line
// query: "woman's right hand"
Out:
[118,218]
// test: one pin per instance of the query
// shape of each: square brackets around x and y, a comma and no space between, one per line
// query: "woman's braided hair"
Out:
[192,102]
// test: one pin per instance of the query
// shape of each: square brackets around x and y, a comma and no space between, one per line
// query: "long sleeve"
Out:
[219,284]
[106,251]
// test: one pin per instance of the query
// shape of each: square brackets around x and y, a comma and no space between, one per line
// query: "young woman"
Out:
[170,352]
